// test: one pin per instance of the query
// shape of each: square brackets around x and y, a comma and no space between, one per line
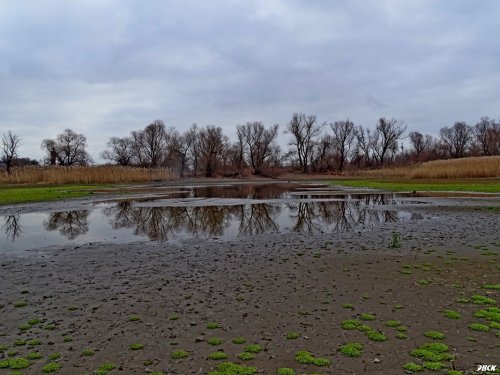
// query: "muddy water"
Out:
[205,212]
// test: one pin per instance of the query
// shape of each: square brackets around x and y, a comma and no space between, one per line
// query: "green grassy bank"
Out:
[465,185]
[24,194]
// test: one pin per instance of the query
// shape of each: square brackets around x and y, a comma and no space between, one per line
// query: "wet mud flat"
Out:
[141,306]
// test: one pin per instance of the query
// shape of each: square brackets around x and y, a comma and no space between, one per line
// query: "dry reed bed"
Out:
[474,167]
[484,166]
[84,175]
[387,172]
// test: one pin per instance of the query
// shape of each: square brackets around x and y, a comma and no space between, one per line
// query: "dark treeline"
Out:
[313,147]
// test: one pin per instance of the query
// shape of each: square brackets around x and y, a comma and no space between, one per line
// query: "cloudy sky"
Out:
[106,67]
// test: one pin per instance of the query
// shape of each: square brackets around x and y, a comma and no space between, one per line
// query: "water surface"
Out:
[205,212]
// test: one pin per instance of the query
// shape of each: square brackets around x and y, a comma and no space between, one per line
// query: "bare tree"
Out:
[305,131]
[385,138]
[72,148]
[150,144]
[343,137]
[211,144]
[364,145]
[192,134]
[137,152]
[120,151]
[181,146]
[9,147]
[239,148]
[457,139]
[487,133]
[321,155]
[420,143]
[259,141]
[67,149]
[49,146]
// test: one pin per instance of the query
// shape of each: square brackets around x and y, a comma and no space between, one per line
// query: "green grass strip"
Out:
[488,186]
[25,194]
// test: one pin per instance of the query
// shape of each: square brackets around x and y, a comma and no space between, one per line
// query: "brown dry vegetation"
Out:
[84,175]
[394,172]
[474,167]
[484,166]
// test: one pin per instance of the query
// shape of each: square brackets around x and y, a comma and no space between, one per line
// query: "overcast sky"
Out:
[106,67]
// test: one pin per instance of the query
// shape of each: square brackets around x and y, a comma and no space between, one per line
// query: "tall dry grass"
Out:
[484,166]
[473,167]
[83,175]
[387,172]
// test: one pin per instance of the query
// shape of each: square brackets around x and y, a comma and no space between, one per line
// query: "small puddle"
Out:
[205,212]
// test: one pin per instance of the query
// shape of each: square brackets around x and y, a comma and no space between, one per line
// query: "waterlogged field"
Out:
[243,279]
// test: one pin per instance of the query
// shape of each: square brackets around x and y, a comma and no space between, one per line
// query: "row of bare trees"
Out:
[205,150]
[313,146]
[199,150]
[457,141]
[319,150]
[202,150]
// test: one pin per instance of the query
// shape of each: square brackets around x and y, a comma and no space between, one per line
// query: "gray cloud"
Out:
[104,68]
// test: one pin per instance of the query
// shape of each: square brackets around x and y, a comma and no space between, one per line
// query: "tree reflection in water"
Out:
[340,215]
[258,218]
[335,213]
[70,224]
[210,221]
[244,191]
[12,227]
[159,223]
[305,215]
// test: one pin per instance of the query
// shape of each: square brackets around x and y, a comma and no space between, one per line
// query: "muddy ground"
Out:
[99,299]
